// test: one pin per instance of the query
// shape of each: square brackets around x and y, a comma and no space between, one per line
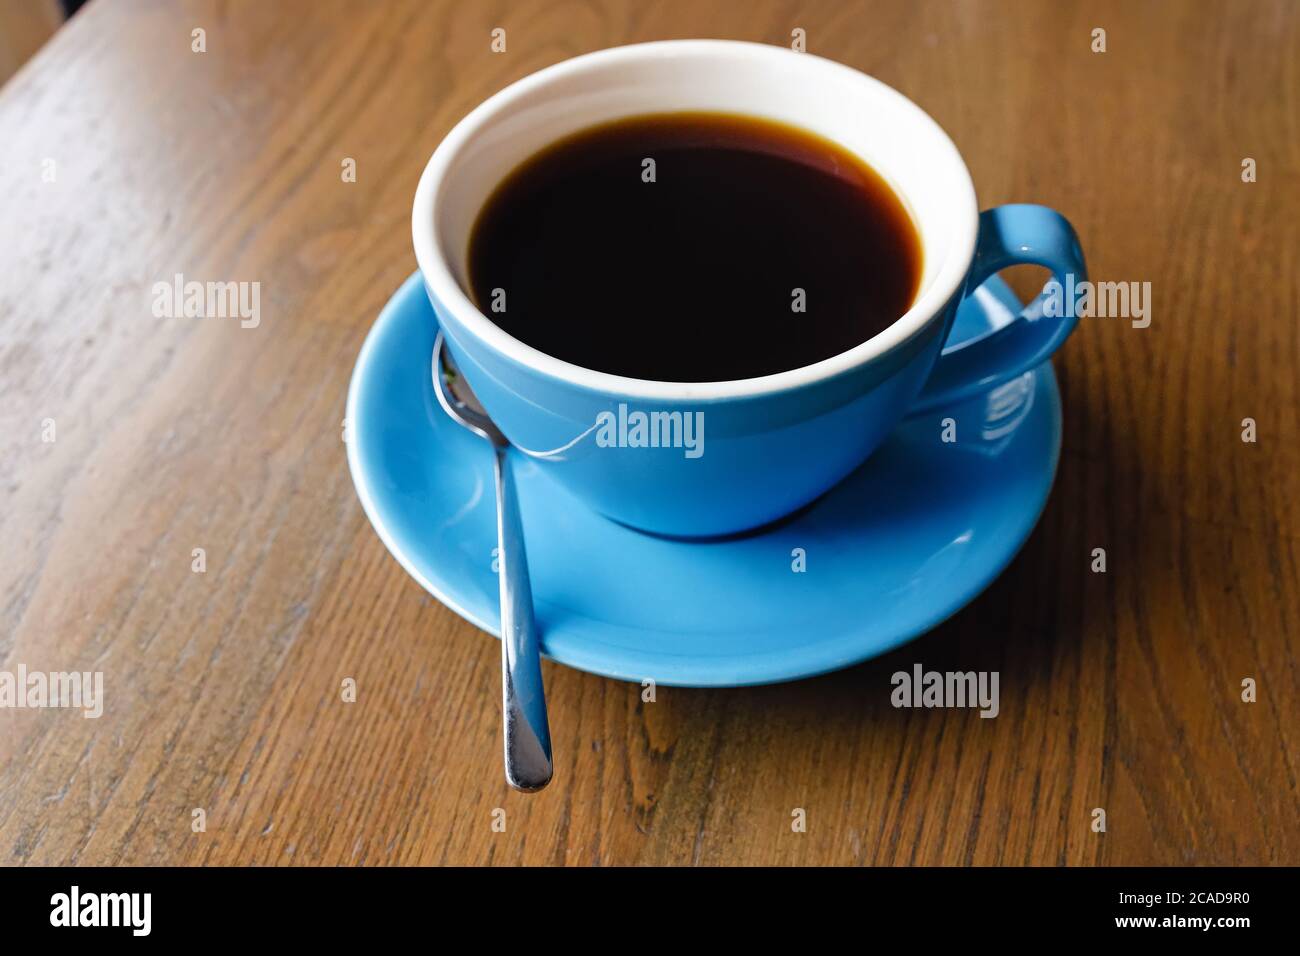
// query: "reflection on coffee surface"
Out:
[694,247]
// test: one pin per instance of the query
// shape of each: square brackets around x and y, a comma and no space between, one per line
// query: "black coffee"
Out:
[693,247]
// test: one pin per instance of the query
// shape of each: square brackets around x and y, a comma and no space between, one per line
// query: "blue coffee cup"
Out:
[703,459]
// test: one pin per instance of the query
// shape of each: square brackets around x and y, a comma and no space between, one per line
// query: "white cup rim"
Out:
[445,288]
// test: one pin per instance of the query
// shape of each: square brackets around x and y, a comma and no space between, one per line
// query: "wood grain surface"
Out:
[25,25]
[1119,691]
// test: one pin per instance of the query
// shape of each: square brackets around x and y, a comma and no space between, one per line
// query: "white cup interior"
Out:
[893,135]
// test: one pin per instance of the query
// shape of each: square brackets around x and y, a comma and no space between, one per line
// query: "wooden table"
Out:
[1120,691]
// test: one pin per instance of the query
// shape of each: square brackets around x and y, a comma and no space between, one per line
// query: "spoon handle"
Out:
[527,732]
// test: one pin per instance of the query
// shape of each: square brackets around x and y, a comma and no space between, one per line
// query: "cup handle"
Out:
[1008,236]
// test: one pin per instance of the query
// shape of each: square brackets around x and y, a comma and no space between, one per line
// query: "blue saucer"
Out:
[903,543]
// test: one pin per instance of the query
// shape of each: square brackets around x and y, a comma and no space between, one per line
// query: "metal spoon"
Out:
[523,701]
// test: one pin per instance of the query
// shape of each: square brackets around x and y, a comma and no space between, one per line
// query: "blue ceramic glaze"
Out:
[898,546]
